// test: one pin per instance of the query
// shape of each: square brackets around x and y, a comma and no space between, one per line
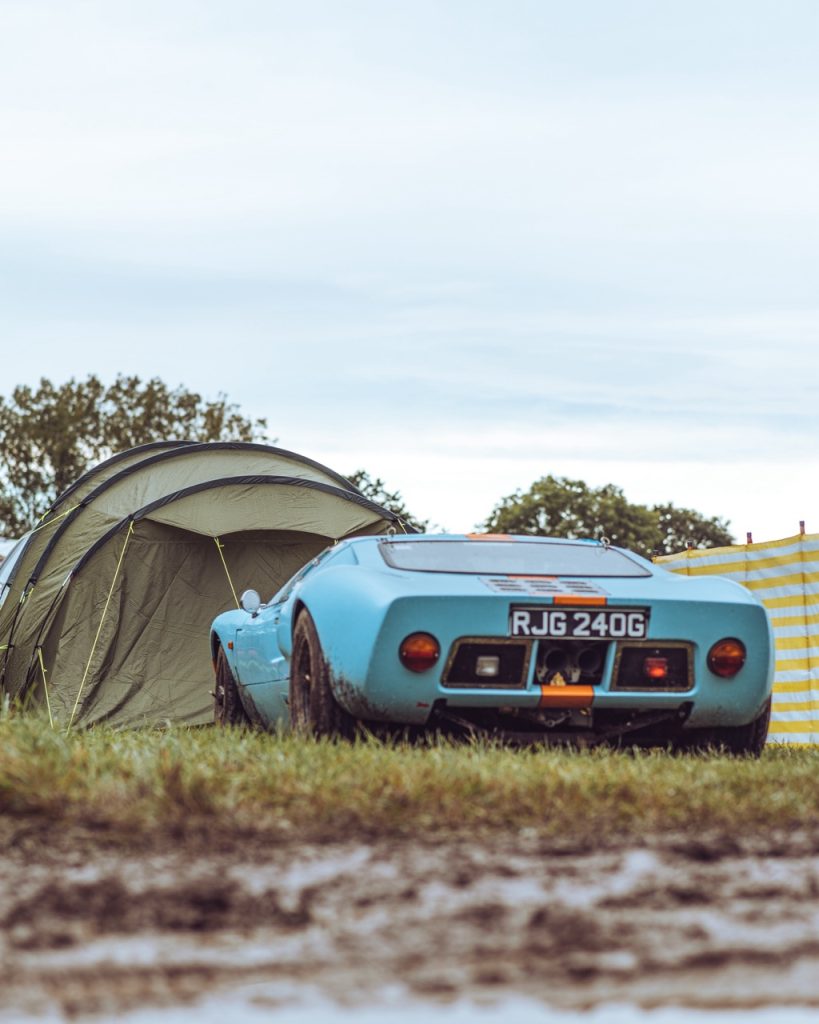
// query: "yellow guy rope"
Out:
[45,685]
[99,628]
[41,525]
[219,547]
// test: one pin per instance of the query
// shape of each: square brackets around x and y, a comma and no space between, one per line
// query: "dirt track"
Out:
[93,930]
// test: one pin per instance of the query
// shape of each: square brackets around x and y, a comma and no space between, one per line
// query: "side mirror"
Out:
[250,601]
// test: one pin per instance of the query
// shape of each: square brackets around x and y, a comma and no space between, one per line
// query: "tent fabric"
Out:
[83,484]
[112,487]
[106,614]
[103,496]
[784,575]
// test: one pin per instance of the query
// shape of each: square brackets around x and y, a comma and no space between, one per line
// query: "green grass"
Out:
[129,781]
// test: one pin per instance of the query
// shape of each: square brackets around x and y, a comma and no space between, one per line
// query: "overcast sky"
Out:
[460,244]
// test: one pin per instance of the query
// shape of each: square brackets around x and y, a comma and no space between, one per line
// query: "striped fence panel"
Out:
[784,574]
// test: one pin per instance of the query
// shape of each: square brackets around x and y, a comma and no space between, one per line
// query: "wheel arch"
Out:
[222,640]
[299,606]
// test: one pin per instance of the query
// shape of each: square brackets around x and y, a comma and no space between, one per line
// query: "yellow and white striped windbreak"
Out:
[784,575]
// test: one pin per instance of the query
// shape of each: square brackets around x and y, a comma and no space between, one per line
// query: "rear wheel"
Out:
[314,711]
[739,739]
[227,707]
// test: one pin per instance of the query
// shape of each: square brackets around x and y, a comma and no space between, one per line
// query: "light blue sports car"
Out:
[526,638]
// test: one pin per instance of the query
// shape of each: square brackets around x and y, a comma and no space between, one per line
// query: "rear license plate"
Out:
[591,623]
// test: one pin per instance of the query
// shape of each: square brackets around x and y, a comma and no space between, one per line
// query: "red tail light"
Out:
[655,669]
[419,652]
[726,658]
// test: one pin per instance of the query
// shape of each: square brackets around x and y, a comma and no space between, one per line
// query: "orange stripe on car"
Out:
[566,696]
[489,536]
[579,599]
[529,576]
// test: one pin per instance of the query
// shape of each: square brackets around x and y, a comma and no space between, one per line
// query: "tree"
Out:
[560,507]
[376,490]
[50,435]
[681,527]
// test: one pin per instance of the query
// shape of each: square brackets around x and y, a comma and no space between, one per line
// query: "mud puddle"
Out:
[454,927]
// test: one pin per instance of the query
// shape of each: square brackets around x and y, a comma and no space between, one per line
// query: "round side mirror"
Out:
[250,601]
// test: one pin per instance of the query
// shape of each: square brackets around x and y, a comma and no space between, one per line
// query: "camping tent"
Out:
[105,605]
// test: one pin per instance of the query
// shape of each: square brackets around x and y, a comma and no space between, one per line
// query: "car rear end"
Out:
[540,657]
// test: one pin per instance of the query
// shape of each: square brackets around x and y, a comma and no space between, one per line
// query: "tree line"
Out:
[51,434]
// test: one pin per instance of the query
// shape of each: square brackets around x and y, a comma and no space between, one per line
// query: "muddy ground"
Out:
[92,927]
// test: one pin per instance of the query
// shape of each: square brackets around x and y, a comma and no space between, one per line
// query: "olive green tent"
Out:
[105,605]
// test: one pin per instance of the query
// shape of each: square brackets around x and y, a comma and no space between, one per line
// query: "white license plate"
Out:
[582,623]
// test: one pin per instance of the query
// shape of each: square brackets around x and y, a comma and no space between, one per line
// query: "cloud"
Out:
[459,249]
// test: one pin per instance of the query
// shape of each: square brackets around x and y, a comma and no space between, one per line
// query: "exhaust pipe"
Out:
[589,660]
[555,659]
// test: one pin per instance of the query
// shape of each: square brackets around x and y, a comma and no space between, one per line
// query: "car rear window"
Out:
[507,558]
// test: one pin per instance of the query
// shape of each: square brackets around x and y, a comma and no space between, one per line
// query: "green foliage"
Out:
[680,527]
[233,781]
[51,434]
[560,507]
[376,490]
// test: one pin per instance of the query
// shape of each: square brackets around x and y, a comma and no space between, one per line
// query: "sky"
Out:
[460,244]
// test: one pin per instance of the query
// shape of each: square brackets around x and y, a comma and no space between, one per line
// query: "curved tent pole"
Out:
[6,648]
[112,461]
[354,497]
[190,447]
[173,449]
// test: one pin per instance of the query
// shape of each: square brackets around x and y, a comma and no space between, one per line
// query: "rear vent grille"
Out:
[542,586]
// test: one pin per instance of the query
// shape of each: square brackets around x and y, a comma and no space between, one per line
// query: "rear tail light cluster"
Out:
[639,666]
[726,657]
[648,667]
[419,652]
[476,661]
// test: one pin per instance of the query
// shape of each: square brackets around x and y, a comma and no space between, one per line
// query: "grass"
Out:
[239,781]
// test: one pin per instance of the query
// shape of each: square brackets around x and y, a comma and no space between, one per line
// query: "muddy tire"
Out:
[227,706]
[314,710]
[740,739]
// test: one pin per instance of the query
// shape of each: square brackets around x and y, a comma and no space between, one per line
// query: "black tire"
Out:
[314,711]
[745,740]
[227,706]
